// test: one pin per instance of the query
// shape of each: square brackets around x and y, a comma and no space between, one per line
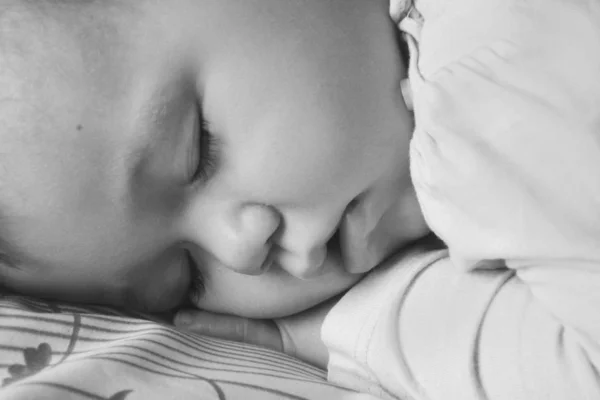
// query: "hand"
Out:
[298,335]
[258,332]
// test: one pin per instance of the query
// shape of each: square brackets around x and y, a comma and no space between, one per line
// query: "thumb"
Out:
[258,332]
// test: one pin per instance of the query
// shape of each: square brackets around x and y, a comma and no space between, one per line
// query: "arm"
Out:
[421,328]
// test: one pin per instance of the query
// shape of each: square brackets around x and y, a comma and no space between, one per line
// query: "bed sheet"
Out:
[62,351]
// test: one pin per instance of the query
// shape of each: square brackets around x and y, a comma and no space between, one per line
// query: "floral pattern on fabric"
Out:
[67,351]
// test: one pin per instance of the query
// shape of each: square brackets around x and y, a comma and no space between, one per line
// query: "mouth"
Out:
[331,262]
[197,286]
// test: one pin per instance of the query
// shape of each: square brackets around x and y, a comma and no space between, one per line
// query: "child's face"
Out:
[108,178]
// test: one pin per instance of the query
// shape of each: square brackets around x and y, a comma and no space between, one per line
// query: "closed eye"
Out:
[205,151]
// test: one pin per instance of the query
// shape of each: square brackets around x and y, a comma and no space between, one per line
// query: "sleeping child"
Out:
[505,159]
[254,161]
[147,166]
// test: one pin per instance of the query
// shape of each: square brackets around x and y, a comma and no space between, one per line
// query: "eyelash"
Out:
[196,289]
[207,145]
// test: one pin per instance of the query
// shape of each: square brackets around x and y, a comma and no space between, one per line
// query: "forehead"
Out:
[100,49]
[77,73]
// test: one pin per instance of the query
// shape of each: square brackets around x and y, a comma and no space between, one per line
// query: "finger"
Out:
[263,333]
[215,325]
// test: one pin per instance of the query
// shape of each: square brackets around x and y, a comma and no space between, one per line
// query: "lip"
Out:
[333,248]
[247,296]
[331,263]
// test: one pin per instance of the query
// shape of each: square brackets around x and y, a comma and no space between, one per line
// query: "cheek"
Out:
[104,275]
[72,238]
[299,169]
[159,286]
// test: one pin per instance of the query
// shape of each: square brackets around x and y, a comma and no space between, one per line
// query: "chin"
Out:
[270,311]
[279,304]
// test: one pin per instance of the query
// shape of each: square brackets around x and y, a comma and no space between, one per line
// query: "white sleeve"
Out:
[424,329]
[505,157]
[361,331]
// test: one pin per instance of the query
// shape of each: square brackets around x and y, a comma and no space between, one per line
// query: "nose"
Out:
[247,243]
